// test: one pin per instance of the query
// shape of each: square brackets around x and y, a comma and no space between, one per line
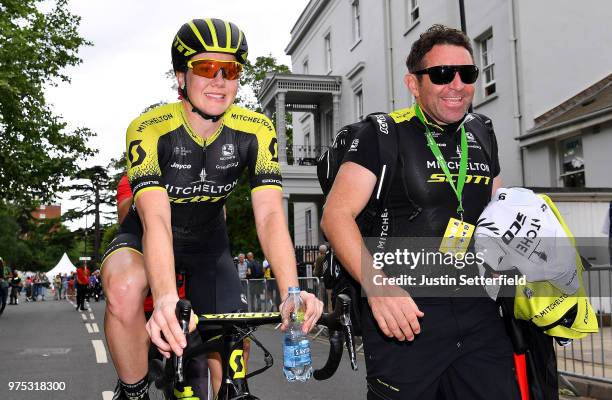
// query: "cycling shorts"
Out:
[212,283]
[462,352]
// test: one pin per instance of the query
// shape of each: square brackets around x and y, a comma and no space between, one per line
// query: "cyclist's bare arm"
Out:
[153,208]
[275,241]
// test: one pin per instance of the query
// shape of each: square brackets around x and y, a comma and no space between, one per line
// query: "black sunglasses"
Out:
[444,74]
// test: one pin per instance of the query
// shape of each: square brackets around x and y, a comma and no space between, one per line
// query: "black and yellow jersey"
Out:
[163,153]
[420,177]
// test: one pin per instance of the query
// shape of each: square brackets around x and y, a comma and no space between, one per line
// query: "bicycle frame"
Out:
[228,332]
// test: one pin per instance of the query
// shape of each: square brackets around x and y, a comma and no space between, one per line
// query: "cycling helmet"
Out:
[207,35]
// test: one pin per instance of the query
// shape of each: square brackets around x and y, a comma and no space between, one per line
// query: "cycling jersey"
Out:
[419,175]
[462,350]
[164,153]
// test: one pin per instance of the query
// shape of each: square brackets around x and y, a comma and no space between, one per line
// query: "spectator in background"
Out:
[4,287]
[57,284]
[35,287]
[29,288]
[15,284]
[82,282]
[256,287]
[44,284]
[254,268]
[318,266]
[64,285]
[242,266]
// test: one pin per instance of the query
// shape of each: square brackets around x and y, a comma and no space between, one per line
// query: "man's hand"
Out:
[313,308]
[163,320]
[397,314]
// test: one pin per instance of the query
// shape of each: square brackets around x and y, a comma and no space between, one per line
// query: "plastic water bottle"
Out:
[297,364]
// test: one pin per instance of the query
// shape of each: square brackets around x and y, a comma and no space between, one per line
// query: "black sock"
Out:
[136,391]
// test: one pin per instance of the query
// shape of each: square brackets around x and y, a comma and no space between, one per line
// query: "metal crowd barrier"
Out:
[263,295]
[591,358]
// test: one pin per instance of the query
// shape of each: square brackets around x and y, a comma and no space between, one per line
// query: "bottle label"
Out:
[297,355]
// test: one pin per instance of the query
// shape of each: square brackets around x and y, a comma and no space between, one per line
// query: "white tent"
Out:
[63,266]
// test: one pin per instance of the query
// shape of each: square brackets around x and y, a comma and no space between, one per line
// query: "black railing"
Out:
[304,155]
[306,254]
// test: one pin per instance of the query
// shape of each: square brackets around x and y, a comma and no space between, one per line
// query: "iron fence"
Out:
[263,294]
[304,155]
[591,358]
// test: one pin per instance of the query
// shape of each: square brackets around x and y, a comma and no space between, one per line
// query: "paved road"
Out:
[51,342]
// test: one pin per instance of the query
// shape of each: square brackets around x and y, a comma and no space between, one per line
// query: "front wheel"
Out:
[161,381]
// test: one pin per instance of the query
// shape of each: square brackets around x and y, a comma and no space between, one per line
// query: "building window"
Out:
[359,103]
[572,168]
[356,21]
[42,216]
[413,12]
[328,53]
[487,64]
[308,227]
[305,67]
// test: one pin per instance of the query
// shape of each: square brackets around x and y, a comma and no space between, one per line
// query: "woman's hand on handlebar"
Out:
[163,321]
[313,308]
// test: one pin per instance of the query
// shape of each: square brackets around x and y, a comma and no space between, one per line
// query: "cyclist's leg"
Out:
[213,286]
[125,286]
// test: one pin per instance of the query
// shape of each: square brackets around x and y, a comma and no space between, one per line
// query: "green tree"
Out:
[240,219]
[95,191]
[37,152]
[35,245]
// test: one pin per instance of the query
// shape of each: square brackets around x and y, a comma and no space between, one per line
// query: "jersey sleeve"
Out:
[143,169]
[264,169]
[123,189]
[363,150]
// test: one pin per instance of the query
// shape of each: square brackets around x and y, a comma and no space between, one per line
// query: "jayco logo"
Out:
[181,166]
[382,124]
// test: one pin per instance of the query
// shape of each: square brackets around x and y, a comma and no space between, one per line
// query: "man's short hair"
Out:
[437,34]
[323,248]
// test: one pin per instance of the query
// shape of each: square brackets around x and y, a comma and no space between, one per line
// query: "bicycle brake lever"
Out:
[183,313]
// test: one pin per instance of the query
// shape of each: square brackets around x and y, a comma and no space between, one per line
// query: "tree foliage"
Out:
[95,190]
[34,245]
[37,152]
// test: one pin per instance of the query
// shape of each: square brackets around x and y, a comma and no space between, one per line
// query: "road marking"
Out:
[88,326]
[100,350]
[91,316]
[94,326]
[84,317]
[46,351]
[107,395]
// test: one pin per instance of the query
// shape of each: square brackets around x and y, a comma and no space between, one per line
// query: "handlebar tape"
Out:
[335,355]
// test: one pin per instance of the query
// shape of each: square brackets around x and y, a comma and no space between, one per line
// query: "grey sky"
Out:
[123,72]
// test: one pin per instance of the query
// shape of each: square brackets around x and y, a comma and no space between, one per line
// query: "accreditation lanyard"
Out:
[435,149]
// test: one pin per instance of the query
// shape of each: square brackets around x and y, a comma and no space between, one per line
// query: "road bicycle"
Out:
[226,333]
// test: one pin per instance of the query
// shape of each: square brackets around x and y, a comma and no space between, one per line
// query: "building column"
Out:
[280,128]
[335,115]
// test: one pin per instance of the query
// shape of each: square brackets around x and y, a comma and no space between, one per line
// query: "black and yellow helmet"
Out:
[207,35]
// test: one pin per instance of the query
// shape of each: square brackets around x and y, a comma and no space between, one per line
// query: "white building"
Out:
[545,81]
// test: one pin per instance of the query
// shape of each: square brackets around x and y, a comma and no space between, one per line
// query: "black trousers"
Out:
[462,352]
[80,297]
[3,296]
